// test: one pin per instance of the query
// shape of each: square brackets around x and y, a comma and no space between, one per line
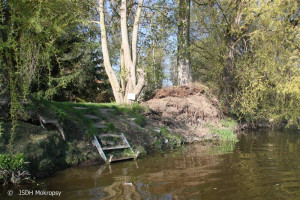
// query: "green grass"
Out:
[225,131]
[110,128]
[174,140]
[121,153]
[229,123]
[66,111]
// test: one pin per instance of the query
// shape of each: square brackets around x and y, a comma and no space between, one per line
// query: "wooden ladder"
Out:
[101,144]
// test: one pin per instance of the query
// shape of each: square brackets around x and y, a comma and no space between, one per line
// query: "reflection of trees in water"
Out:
[118,190]
[171,180]
[262,166]
[265,164]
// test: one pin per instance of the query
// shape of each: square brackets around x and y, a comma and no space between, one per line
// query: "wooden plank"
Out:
[108,135]
[100,150]
[126,141]
[116,147]
[121,158]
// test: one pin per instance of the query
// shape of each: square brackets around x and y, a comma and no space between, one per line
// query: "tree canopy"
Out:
[246,51]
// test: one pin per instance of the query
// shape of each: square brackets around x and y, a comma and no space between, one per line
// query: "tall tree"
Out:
[248,50]
[183,58]
[40,46]
[132,80]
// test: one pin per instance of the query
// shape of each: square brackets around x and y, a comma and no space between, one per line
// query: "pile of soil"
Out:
[187,110]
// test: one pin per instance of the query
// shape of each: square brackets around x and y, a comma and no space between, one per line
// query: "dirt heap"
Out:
[188,110]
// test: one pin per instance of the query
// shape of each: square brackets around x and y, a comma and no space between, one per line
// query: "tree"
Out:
[41,43]
[248,52]
[128,81]
[183,51]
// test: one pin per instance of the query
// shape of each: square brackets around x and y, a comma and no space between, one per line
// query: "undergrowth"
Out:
[225,132]
[13,169]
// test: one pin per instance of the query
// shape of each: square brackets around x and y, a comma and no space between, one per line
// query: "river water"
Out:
[262,165]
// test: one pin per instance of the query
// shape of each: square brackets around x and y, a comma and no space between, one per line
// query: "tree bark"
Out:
[107,65]
[229,69]
[129,82]
[130,56]
[183,58]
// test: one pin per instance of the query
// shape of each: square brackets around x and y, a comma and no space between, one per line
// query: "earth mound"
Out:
[189,110]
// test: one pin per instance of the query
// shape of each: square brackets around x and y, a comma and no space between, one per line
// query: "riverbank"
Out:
[148,128]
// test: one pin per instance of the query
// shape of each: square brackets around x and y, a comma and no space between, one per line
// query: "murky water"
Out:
[262,165]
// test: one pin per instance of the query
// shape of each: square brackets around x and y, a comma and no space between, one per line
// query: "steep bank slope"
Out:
[172,116]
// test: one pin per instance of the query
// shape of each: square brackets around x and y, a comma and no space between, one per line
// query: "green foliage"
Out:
[12,162]
[1,129]
[225,132]
[229,123]
[264,67]
[41,49]
[13,169]
[141,150]
[174,140]
[158,144]
[140,120]
[121,153]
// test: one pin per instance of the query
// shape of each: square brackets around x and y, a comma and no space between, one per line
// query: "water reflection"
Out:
[262,165]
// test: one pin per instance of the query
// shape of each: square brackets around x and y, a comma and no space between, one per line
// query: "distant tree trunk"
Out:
[130,81]
[229,69]
[183,59]
[228,72]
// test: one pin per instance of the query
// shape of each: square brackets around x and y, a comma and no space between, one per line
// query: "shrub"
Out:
[13,169]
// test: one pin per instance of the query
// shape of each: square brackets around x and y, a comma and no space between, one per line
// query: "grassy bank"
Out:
[46,151]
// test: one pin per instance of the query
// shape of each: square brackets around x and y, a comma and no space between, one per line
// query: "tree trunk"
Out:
[128,80]
[107,65]
[228,72]
[133,85]
[229,69]
[183,59]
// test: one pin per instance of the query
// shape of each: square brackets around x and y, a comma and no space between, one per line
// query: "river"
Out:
[261,165]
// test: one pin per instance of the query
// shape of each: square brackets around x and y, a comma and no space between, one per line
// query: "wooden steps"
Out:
[113,143]
[115,159]
[116,147]
[111,147]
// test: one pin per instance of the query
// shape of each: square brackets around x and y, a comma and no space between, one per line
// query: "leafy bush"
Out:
[9,162]
[13,169]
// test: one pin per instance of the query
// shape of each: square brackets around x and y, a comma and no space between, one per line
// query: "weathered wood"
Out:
[99,148]
[43,121]
[121,158]
[116,147]
[108,135]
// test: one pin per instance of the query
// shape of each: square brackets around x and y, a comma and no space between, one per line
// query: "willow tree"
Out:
[250,52]
[34,36]
[131,80]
